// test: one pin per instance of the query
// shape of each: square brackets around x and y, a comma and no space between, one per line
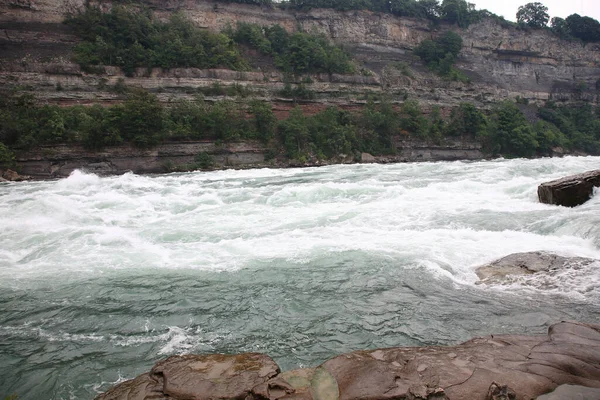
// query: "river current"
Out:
[102,277]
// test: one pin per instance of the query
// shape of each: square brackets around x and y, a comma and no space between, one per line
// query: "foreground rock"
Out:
[495,367]
[570,191]
[519,264]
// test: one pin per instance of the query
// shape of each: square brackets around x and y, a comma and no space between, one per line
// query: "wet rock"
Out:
[572,392]
[570,191]
[198,377]
[527,264]
[14,176]
[499,367]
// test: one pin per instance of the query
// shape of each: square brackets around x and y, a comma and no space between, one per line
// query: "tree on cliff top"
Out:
[533,14]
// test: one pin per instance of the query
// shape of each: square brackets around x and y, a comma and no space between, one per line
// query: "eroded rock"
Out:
[527,264]
[570,191]
[198,377]
[502,367]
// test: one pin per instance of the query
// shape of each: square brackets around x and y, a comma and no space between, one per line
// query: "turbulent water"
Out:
[101,277]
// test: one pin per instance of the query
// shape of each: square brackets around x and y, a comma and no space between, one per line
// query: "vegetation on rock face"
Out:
[440,54]
[131,39]
[144,122]
[298,52]
[7,157]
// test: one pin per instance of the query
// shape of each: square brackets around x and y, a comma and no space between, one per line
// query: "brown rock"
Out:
[198,377]
[570,191]
[13,176]
[502,367]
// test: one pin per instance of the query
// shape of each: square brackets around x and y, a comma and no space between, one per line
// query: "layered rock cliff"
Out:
[502,63]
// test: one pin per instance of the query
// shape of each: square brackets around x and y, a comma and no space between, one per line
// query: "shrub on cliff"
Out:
[139,119]
[440,53]
[510,133]
[298,52]
[466,120]
[131,39]
[7,157]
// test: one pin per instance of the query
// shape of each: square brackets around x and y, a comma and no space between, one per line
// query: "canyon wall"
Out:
[502,62]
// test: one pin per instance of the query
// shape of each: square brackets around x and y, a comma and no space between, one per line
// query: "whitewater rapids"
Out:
[102,276]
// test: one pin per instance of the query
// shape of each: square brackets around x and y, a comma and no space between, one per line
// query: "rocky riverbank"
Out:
[58,161]
[493,367]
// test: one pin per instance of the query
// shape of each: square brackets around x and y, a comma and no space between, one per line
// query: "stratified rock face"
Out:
[491,368]
[570,191]
[527,264]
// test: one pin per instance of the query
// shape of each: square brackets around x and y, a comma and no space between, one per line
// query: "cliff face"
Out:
[502,62]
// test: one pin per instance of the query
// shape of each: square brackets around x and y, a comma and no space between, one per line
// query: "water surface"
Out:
[101,277]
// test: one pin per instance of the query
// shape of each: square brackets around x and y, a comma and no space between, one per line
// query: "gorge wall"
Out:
[502,63]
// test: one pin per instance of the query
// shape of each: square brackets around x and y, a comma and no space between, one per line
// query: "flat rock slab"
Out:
[570,191]
[498,367]
[198,377]
[519,264]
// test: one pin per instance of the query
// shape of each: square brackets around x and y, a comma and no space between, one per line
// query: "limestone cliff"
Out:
[503,62]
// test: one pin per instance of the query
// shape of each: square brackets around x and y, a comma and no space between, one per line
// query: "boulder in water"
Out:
[570,191]
[14,176]
[527,264]
[498,367]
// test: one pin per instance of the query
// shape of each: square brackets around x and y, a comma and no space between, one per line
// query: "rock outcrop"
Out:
[494,367]
[59,160]
[570,191]
[12,176]
[526,264]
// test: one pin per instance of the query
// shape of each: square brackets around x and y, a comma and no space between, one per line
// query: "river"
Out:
[102,276]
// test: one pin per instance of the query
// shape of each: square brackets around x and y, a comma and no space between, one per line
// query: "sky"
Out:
[556,8]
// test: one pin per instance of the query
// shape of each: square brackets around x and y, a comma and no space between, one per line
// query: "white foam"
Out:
[445,217]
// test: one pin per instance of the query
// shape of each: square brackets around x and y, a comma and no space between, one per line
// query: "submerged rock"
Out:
[570,191]
[527,264]
[498,367]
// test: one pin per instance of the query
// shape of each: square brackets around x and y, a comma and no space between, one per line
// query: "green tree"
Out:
[7,157]
[533,14]
[294,133]
[584,28]
[510,133]
[263,119]
[139,119]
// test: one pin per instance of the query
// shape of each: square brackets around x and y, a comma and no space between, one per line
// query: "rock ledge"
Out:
[498,367]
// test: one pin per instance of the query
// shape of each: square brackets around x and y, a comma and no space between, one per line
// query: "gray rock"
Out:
[367,158]
[527,264]
[572,392]
[570,191]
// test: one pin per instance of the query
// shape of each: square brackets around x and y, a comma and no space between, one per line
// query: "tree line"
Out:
[145,122]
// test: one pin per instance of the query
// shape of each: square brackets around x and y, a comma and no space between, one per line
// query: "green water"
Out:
[102,277]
